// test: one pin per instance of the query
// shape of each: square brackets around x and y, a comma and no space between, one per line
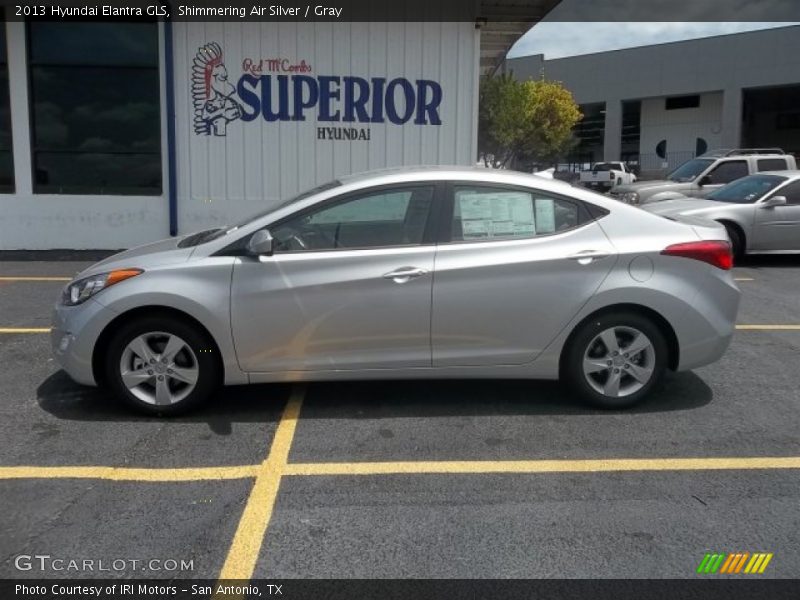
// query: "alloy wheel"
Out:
[619,361]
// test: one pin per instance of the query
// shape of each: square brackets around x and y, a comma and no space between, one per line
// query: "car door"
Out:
[513,268]
[778,227]
[348,286]
[719,175]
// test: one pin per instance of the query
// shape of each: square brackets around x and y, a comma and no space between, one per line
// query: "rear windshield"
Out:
[605,167]
[747,189]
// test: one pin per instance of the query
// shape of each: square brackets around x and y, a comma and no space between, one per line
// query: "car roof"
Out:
[448,172]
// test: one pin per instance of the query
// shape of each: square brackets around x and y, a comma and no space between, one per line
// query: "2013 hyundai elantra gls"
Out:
[408,273]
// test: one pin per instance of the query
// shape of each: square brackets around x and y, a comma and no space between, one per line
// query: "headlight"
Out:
[630,198]
[82,289]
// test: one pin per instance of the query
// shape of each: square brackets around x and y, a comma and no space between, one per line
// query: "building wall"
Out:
[221,179]
[680,128]
[727,64]
[258,163]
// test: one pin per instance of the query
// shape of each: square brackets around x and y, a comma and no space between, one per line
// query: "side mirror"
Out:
[705,180]
[260,243]
[774,201]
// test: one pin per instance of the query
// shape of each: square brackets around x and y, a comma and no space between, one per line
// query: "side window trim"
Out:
[428,237]
[448,207]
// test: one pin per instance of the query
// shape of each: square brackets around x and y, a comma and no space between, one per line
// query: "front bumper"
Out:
[73,335]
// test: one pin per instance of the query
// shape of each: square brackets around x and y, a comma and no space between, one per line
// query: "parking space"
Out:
[408,479]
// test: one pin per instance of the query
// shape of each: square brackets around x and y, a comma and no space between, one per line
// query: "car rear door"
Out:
[513,268]
[347,288]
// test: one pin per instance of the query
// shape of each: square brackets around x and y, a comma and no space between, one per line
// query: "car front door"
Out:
[348,286]
[778,227]
[514,268]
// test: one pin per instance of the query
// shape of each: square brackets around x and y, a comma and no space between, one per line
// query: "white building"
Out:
[115,133]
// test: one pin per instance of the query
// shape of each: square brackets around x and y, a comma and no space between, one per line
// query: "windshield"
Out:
[689,170]
[302,196]
[747,189]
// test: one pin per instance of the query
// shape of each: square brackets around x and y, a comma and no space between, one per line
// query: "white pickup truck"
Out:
[605,175]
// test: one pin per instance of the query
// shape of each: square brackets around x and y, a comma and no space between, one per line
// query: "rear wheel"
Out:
[162,366]
[615,360]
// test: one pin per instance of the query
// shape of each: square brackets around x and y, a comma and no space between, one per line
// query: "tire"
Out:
[737,241]
[150,383]
[588,349]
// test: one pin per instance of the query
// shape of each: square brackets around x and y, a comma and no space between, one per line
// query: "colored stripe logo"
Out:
[734,563]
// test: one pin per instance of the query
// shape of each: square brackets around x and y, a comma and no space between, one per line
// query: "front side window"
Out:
[747,189]
[481,213]
[378,219]
[792,193]
[95,108]
[727,171]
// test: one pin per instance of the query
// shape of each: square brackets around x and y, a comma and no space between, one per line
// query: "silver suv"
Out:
[700,176]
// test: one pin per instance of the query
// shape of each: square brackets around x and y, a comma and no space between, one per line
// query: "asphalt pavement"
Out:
[441,479]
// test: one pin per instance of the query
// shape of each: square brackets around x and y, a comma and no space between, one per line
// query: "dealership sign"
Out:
[277,89]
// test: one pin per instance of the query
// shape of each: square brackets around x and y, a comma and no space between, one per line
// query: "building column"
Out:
[612,137]
[731,134]
[20,113]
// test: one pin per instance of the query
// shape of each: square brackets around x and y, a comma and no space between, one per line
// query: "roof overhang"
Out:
[502,23]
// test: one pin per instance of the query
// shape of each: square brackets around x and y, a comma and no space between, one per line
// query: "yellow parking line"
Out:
[768,327]
[7,278]
[24,330]
[246,545]
[542,466]
[130,474]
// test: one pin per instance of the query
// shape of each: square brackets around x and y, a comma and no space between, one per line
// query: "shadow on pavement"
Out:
[65,399]
[756,261]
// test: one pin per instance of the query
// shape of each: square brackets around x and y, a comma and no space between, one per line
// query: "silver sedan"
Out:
[408,273]
[761,212]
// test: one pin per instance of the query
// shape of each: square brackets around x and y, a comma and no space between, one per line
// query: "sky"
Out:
[557,39]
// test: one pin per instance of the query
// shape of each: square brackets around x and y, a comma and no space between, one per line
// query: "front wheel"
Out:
[615,360]
[162,366]
[737,241]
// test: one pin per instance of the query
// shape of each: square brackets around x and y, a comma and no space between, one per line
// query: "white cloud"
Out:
[558,39]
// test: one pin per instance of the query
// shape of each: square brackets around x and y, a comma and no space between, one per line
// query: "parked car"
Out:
[760,212]
[603,176]
[408,273]
[700,176]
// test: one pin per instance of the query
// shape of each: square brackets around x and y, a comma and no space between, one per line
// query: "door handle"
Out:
[585,257]
[404,274]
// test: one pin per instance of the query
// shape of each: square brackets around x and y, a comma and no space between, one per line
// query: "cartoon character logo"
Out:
[212,93]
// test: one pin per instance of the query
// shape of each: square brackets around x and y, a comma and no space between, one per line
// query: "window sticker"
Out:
[495,214]
[545,215]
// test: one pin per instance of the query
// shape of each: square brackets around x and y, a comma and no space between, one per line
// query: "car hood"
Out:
[688,206]
[160,253]
[648,188]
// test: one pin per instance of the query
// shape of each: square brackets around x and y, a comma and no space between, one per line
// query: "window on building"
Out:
[488,214]
[6,152]
[677,102]
[95,108]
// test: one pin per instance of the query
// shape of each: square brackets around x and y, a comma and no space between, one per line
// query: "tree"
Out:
[530,120]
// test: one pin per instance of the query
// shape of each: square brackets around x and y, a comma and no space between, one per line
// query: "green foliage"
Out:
[530,120]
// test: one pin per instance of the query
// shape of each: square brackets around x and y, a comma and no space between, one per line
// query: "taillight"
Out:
[717,252]
[611,175]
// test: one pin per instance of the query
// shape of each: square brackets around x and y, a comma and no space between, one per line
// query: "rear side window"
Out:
[728,171]
[771,164]
[485,213]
